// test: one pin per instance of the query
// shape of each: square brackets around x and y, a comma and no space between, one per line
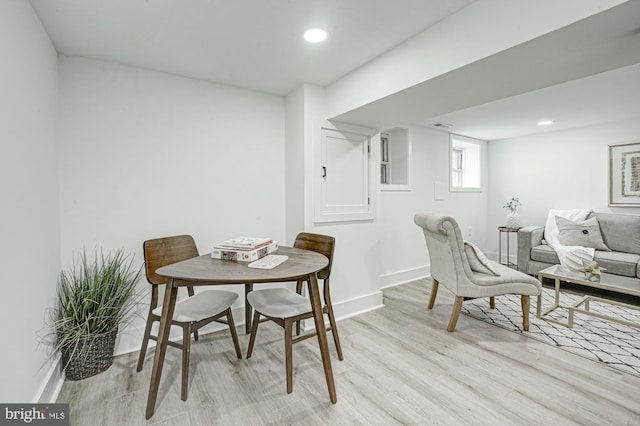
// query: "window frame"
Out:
[462,144]
[385,165]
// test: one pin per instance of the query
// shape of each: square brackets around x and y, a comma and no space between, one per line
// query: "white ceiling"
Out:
[257,44]
[601,98]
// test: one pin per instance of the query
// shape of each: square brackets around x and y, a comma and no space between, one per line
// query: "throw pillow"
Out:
[477,260]
[585,234]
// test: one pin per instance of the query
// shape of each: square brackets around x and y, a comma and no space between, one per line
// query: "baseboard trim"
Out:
[52,384]
[358,305]
[350,308]
[493,255]
[402,277]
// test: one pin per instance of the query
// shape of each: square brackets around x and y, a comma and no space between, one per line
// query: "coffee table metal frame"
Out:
[611,282]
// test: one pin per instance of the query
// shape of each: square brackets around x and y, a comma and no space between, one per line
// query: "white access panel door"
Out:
[342,189]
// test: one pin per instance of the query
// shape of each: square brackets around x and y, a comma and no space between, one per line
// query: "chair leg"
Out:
[288,352]
[334,332]
[145,342]
[457,307]
[299,291]
[492,302]
[254,331]
[186,352]
[332,319]
[525,301]
[191,293]
[234,335]
[434,292]
[248,288]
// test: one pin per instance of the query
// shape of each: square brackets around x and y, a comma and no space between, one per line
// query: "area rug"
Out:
[610,343]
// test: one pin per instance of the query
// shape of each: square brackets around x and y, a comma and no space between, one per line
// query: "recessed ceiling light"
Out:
[315,35]
[545,123]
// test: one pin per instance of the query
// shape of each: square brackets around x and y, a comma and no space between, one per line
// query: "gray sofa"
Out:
[621,233]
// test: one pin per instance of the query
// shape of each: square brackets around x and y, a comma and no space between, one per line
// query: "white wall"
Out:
[145,155]
[391,248]
[557,170]
[355,272]
[29,229]
[403,251]
[295,163]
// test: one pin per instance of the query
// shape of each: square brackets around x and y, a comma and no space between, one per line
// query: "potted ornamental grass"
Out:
[94,297]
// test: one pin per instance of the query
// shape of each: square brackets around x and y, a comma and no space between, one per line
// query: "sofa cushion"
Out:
[617,262]
[620,232]
[544,253]
[582,233]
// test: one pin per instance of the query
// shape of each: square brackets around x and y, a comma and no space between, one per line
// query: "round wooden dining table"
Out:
[301,265]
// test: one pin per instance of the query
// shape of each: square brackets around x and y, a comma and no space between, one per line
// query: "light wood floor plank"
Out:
[400,366]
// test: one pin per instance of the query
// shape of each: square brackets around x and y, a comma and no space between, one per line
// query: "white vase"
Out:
[513,220]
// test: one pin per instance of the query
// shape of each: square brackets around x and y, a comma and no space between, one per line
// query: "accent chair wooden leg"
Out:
[457,307]
[234,335]
[434,292]
[186,354]
[288,352]
[492,302]
[254,331]
[526,301]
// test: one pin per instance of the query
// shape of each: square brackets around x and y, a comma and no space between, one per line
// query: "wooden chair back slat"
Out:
[322,244]
[165,251]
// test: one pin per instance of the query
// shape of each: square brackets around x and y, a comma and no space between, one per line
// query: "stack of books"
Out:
[244,249]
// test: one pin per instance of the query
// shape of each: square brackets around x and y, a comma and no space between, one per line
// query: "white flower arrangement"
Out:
[513,204]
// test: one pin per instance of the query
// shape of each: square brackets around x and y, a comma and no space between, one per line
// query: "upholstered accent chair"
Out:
[451,268]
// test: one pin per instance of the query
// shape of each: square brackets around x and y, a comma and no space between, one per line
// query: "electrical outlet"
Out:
[469,232]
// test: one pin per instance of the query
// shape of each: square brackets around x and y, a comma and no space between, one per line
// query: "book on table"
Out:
[261,249]
[244,243]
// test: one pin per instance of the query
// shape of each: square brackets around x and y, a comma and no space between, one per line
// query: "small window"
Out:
[385,175]
[456,167]
[465,164]
[395,160]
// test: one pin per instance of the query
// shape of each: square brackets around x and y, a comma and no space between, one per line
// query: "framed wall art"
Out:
[624,174]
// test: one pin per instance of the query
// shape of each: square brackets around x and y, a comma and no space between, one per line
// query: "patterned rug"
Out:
[610,343]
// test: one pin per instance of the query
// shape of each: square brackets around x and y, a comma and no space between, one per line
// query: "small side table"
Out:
[508,231]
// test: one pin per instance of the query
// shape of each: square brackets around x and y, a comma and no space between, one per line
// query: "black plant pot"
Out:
[92,356]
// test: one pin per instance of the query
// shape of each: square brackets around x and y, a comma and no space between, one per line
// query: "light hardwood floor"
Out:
[400,366]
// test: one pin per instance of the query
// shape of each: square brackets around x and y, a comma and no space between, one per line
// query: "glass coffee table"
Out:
[613,283]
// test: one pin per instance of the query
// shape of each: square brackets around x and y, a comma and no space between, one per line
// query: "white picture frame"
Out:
[624,174]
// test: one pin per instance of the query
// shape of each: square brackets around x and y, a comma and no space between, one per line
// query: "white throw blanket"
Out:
[570,256]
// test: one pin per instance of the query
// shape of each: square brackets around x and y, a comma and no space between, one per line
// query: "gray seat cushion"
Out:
[618,263]
[202,305]
[544,253]
[279,302]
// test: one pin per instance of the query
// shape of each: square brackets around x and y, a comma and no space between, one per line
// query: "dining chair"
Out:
[451,267]
[191,313]
[286,307]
